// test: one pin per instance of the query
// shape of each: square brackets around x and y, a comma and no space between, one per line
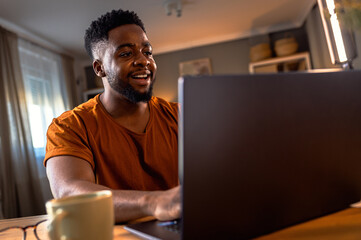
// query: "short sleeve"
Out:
[67,135]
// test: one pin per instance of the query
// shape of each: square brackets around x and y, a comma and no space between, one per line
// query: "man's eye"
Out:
[148,53]
[125,54]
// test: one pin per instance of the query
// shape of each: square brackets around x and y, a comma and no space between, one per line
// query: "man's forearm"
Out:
[71,176]
[131,204]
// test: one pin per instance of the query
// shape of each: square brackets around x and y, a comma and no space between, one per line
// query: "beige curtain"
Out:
[19,186]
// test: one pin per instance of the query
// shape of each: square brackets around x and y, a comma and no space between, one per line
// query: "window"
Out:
[44,90]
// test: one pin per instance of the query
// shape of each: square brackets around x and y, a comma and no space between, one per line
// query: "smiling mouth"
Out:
[141,76]
[141,79]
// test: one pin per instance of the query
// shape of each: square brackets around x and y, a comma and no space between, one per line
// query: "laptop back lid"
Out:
[258,153]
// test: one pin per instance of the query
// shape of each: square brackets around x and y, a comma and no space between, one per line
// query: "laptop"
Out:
[258,153]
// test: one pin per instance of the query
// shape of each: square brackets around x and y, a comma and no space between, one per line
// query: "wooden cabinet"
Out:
[295,62]
[88,94]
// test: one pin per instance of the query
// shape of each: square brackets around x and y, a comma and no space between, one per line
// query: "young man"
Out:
[124,139]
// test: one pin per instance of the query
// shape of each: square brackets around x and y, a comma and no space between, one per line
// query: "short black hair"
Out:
[98,29]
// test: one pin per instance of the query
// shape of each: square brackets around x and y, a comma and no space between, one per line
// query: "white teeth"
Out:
[141,76]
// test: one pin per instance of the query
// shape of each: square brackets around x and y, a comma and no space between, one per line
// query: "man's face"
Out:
[128,63]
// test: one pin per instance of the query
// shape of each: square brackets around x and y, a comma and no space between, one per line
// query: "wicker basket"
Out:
[286,46]
[260,51]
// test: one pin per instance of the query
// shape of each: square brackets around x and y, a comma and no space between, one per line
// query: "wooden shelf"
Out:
[280,64]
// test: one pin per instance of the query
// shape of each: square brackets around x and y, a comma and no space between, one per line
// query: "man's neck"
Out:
[133,116]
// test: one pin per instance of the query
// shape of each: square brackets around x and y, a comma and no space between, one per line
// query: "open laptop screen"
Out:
[263,152]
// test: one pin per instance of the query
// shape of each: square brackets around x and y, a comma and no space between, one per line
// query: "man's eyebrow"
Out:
[124,45]
[145,44]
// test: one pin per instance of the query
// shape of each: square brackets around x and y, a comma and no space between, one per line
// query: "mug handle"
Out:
[53,227]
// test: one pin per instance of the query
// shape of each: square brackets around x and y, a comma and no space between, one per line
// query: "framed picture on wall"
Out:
[195,67]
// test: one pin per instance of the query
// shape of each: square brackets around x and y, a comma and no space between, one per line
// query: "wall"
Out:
[226,58]
[357,61]
[320,56]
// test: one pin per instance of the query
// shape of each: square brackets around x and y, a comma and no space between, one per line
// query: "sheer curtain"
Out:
[35,87]
[46,97]
[19,184]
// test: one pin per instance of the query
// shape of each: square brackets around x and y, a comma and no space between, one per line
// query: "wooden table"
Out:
[345,225]
[119,231]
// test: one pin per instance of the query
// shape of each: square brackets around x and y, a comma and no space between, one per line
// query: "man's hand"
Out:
[71,175]
[165,205]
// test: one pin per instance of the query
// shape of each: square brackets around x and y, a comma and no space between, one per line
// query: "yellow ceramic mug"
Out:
[87,216]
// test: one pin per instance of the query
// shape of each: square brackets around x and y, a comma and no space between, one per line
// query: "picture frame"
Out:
[195,67]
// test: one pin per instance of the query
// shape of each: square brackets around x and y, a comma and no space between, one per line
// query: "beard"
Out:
[128,91]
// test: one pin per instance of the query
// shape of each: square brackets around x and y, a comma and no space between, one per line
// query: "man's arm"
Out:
[71,175]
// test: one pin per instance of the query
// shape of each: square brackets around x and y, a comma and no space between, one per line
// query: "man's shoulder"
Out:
[84,111]
[164,104]
[165,110]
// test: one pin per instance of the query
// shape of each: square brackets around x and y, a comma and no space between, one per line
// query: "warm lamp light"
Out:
[340,41]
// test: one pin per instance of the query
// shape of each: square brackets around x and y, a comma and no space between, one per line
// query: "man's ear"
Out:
[98,68]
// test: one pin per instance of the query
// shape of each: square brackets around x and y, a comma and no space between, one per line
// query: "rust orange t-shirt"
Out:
[120,158]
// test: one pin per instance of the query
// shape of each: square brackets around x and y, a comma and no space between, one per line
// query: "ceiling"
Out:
[60,25]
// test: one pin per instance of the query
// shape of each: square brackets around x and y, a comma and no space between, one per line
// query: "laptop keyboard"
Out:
[173,226]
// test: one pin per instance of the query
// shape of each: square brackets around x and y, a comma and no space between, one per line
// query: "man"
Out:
[124,139]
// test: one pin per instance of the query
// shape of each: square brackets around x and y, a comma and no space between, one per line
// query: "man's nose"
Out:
[141,59]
